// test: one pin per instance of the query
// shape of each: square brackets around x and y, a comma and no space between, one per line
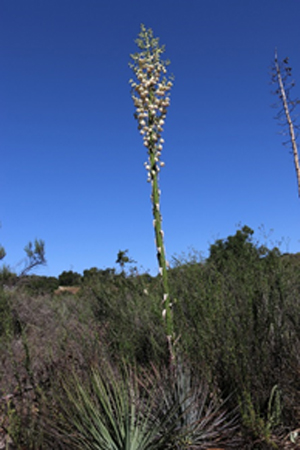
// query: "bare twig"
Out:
[288,106]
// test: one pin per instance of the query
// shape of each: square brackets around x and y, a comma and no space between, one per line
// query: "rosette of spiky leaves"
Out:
[200,414]
[113,412]
[151,97]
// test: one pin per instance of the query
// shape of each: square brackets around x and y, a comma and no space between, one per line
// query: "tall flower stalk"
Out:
[151,97]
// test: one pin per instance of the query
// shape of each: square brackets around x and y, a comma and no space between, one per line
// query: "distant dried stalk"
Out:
[151,97]
[285,101]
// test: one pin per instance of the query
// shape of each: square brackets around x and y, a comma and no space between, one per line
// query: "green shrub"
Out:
[69,278]
[238,317]
[130,313]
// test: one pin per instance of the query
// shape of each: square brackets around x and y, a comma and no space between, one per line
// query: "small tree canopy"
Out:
[123,259]
[35,255]
[2,252]
[69,278]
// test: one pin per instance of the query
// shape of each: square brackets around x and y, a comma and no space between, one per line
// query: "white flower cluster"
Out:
[151,97]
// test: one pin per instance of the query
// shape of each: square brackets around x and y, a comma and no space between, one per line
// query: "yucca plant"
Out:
[113,412]
[200,414]
[151,97]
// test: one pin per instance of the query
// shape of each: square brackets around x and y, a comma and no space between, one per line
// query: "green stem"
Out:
[161,254]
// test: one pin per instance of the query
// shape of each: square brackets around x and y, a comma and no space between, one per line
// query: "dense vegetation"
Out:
[205,355]
[66,361]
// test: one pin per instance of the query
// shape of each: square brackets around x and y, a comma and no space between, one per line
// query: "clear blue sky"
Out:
[72,158]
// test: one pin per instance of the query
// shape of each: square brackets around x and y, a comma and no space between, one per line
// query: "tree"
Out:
[123,259]
[236,251]
[281,76]
[69,278]
[35,256]
[2,252]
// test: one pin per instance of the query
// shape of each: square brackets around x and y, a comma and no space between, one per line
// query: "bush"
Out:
[38,285]
[130,314]
[69,278]
[238,317]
